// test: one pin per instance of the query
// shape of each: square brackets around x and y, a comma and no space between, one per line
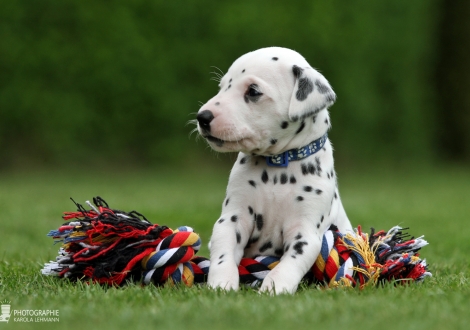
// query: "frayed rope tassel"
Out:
[112,247]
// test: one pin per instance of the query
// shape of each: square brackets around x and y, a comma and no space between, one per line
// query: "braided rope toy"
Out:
[110,246]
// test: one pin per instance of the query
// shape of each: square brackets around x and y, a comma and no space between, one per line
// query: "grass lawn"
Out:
[433,201]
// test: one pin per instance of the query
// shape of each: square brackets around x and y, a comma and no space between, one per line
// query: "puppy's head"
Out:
[264,102]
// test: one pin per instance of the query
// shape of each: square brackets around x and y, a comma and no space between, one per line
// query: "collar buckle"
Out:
[281,160]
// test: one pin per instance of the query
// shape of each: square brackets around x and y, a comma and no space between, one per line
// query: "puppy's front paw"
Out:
[225,278]
[278,285]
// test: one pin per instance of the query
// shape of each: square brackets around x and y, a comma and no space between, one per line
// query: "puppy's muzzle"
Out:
[204,119]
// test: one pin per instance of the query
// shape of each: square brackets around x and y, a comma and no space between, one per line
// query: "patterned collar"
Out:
[282,160]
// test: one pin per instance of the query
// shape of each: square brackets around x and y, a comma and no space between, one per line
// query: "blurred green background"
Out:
[115,82]
[95,97]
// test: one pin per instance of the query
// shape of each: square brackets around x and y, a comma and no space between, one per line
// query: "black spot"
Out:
[264,176]
[230,80]
[226,201]
[217,103]
[300,198]
[221,261]
[250,209]
[318,225]
[256,163]
[253,240]
[265,246]
[318,165]
[234,218]
[229,86]
[301,127]
[299,236]
[308,188]
[243,70]
[239,237]
[292,179]
[259,221]
[322,218]
[284,124]
[297,71]
[311,168]
[287,248]
[322,88]
[336,195]
[324,149]
[275,179]
[221,256]
[273,141]
[243,160]
[326,121]
[298,247]
[275,58]
[330,97]
[314,119]
[252,183]
[278,252]
[328,175]
[305,87]
[283,178]
[293,256]
[221,220]
[311,112]
[318,191]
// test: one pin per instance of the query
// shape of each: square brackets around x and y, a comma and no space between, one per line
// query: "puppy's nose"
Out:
[204,118]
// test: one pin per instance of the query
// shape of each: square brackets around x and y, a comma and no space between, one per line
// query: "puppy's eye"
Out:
[253,93]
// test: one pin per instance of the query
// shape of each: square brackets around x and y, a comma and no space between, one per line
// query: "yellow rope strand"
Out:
[360,245]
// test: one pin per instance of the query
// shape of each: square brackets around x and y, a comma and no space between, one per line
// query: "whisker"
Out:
[218,75]
[195,130]
[191,122]
[221,72]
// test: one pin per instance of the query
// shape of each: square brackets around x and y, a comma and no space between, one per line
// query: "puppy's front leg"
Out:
[227,243]
[302,246]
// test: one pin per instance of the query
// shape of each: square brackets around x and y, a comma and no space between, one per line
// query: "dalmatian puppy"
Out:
[282,193]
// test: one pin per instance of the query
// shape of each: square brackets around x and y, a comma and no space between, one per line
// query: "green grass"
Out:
[432,201]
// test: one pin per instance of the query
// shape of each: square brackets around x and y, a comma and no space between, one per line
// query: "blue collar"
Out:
[282,160]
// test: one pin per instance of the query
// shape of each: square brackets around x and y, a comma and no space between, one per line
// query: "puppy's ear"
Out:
[312,93]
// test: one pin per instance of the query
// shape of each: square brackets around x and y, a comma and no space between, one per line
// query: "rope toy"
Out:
[111,247]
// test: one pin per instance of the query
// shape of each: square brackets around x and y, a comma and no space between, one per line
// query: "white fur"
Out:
[253,127]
